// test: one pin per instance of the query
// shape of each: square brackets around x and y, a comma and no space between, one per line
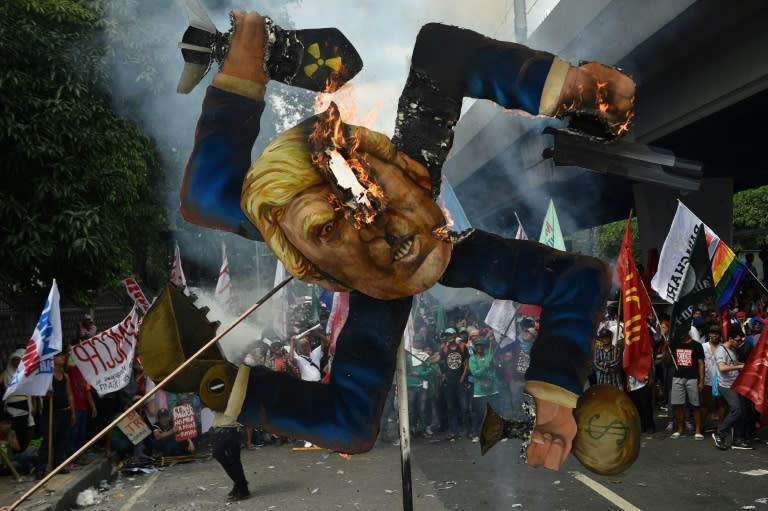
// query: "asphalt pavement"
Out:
[682,475]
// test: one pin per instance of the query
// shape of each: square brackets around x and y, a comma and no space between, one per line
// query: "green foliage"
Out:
[750,208]
[79,194]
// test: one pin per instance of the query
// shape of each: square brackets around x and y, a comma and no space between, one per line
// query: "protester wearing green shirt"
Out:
[486,390]
[419,380]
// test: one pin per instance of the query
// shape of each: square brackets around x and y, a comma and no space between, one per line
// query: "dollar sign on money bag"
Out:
[608,437]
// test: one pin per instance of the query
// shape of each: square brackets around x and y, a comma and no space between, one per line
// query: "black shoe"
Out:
[742,445]
[719,442]
[239,494]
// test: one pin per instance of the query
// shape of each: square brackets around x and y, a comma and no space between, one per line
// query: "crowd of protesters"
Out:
[456,367]
[76,413]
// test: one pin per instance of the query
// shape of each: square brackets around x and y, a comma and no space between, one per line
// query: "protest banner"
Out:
[135,292]
[184,422]
[106,360]
[134,427]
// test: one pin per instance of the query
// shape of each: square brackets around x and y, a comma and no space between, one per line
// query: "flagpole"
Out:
[50,432]
[149,394]
[405,429]
[658,324]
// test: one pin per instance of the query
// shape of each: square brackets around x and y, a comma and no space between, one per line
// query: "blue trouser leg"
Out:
[454,399]
[450,63]
[344,414]
[571,289]
[735,417]
[479,404]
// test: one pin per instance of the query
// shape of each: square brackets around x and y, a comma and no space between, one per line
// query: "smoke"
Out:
[241,339]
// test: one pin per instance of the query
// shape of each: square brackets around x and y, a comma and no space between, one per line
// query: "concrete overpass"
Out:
[702,74]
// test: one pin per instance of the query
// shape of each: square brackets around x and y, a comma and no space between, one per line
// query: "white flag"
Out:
[551,235]
[177,273]
[520,234]
[33,376]
[501,315]
[280,304]
[676,254]
[224,284]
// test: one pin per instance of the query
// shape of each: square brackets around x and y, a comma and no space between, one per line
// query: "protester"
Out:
[728,368]
[417,380]
[608,360]
[116,443]
[18,406]
[486,386]
[687,382]
[512,360]
[454,357]
[711,403]
[10,445]
[84,406]
[86,328]
[164,434]
[63,409]
[226,450]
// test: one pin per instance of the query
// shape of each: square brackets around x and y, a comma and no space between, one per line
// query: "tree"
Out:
[144,62]
[79,200]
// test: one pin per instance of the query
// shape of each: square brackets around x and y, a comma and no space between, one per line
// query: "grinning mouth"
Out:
[405,248]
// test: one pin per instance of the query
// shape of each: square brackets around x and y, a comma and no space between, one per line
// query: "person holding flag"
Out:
[638,351]
[60,403]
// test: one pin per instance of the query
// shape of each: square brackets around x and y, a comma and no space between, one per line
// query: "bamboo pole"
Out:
[50,432]
[149,394]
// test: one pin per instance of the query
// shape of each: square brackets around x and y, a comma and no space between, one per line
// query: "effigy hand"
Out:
[245,58]
[553,435]
[601,92]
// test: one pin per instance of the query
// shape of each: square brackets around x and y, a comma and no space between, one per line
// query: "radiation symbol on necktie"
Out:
[333,63]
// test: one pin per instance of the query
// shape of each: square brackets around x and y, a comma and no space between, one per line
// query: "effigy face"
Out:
[395,255]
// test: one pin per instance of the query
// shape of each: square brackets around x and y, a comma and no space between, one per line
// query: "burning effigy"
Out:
[350,209]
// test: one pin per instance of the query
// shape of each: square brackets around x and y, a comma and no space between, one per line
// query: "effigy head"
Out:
[341,207]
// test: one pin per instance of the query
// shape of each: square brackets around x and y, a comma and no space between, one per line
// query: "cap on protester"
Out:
[449,331]
[741,314]
[163,412]
[604,332]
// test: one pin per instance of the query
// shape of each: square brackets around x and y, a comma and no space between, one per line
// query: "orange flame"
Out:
[603,108]
[330,134]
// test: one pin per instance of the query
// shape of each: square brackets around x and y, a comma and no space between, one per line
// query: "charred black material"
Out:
[426,117]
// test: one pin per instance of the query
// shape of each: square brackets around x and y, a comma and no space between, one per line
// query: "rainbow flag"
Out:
[727,270]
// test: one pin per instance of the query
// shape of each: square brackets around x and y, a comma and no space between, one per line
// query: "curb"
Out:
[62,496]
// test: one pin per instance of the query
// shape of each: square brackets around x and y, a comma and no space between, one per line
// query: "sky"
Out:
[384,33]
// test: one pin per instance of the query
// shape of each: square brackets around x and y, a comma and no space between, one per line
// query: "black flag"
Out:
[698,285]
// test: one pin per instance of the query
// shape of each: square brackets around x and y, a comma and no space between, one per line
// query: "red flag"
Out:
[752,381]
[336,320]
[636,305]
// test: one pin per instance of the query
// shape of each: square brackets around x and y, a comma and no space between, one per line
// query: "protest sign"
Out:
[184,422]
[134,427]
